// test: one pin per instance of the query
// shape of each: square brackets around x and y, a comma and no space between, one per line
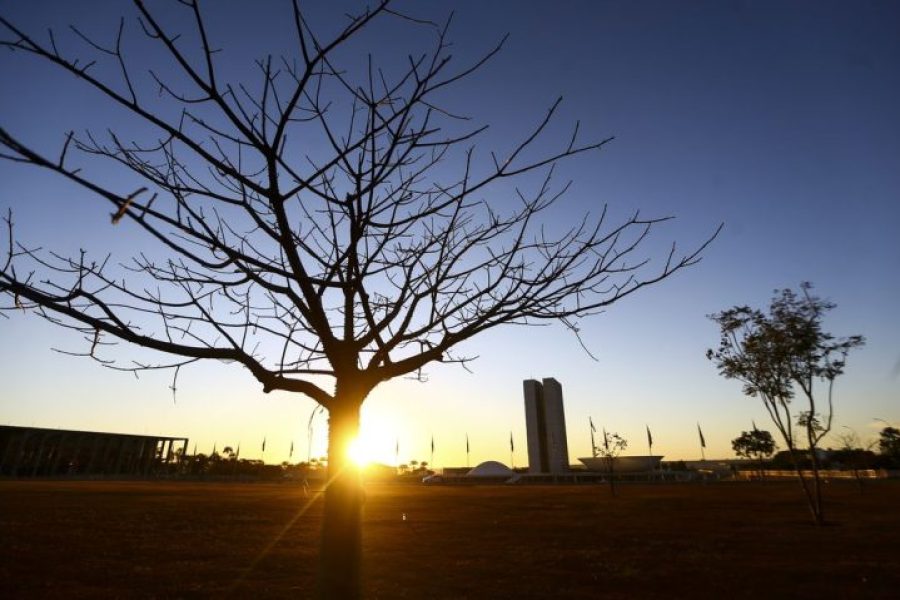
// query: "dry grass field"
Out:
[195,540]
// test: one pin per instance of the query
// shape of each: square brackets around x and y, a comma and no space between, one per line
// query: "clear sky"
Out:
[778,119]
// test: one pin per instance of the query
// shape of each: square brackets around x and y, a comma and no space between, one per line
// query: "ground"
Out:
[193,540]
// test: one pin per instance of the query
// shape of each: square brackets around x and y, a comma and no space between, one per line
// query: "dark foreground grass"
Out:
[186,540]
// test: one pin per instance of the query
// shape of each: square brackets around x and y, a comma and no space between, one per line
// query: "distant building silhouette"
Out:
[545,423]
[37,452]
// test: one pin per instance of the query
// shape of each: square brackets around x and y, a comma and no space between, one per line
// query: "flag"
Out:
[649,436]
[512,447]
[702,439]
[591,421]
[292,449]
[264,445]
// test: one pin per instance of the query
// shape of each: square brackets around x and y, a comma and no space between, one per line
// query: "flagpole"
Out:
[309,433]
[309,440]
[702,443]
[609,460]
[467,450]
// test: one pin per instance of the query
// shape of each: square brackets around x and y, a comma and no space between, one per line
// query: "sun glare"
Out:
[358,453]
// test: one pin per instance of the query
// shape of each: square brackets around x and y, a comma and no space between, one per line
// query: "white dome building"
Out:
[492,469]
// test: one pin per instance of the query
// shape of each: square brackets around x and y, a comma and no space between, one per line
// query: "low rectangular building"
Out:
[38,452]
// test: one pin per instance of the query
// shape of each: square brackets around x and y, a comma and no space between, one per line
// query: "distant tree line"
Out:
[759,447]
[414,468]
[229,464]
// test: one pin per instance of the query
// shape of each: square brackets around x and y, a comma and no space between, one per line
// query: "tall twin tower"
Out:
[545,422]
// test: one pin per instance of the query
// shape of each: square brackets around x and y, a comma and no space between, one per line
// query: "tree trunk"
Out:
[341,547]
[817,486]
[814,506]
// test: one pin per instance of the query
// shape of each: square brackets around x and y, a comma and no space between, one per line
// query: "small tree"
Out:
[783,355]
[756,444]
[613,445]
[851,453]
[889,444]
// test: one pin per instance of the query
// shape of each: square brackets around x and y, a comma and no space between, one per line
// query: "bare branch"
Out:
[329,221]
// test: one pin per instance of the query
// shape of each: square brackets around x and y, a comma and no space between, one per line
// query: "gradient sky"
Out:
[779,119]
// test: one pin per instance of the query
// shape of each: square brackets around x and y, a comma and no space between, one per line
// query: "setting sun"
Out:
[358,452]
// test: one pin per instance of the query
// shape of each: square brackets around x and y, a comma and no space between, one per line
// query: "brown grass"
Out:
[162,540]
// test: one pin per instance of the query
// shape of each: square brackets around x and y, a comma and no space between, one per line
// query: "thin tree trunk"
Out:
[810,497]
[817,486]
[341,550]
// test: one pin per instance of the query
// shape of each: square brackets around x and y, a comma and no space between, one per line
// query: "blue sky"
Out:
[778,119]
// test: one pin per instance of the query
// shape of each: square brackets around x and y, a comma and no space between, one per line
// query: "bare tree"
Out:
[322,272]
[783,355]
[612,447]
[854,454]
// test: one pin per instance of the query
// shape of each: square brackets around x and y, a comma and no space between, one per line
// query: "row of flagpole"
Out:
[237,452]
[512,446]
[649,439]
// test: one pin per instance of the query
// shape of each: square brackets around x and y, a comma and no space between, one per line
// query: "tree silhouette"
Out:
[302,227]
[612,446]
[782,355]
[851,453]
[755,444]
[889,444]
